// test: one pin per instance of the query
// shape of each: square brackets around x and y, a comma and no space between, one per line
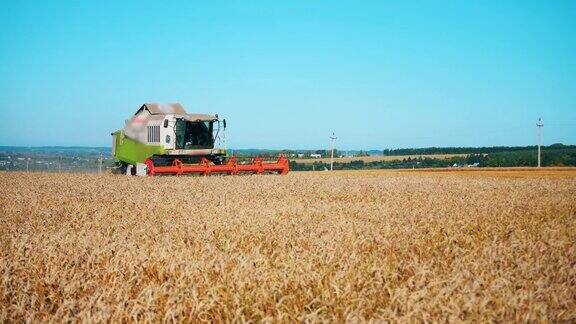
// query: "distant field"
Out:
[441,245]
[375,158]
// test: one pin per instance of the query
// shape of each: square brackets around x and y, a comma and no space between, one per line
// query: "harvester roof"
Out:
[163,109]
[173,109]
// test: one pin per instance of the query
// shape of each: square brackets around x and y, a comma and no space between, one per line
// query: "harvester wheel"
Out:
[121,168]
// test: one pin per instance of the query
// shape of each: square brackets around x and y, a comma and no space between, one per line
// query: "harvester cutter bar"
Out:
[232,167]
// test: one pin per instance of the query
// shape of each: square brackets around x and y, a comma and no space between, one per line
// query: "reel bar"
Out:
[232,167]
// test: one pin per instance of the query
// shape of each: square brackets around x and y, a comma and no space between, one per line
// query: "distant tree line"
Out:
[471,150]
[551,156]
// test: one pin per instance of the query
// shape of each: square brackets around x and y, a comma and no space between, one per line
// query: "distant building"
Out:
[315,156]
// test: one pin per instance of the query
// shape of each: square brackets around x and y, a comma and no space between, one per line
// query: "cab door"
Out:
[180,132]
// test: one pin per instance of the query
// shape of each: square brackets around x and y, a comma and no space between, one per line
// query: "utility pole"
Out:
[539,126]
[27,158]
[333,138]
[100,164]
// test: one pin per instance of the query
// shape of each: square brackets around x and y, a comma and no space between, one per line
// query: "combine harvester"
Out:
[164,139]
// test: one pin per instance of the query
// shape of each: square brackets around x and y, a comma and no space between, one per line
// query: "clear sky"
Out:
[285,74]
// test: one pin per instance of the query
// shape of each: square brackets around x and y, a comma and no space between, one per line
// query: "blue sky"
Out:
[285,74]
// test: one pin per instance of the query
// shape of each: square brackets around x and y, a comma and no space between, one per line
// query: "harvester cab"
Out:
[165,139]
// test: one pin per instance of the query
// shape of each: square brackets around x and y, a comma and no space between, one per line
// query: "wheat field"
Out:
[349,246]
